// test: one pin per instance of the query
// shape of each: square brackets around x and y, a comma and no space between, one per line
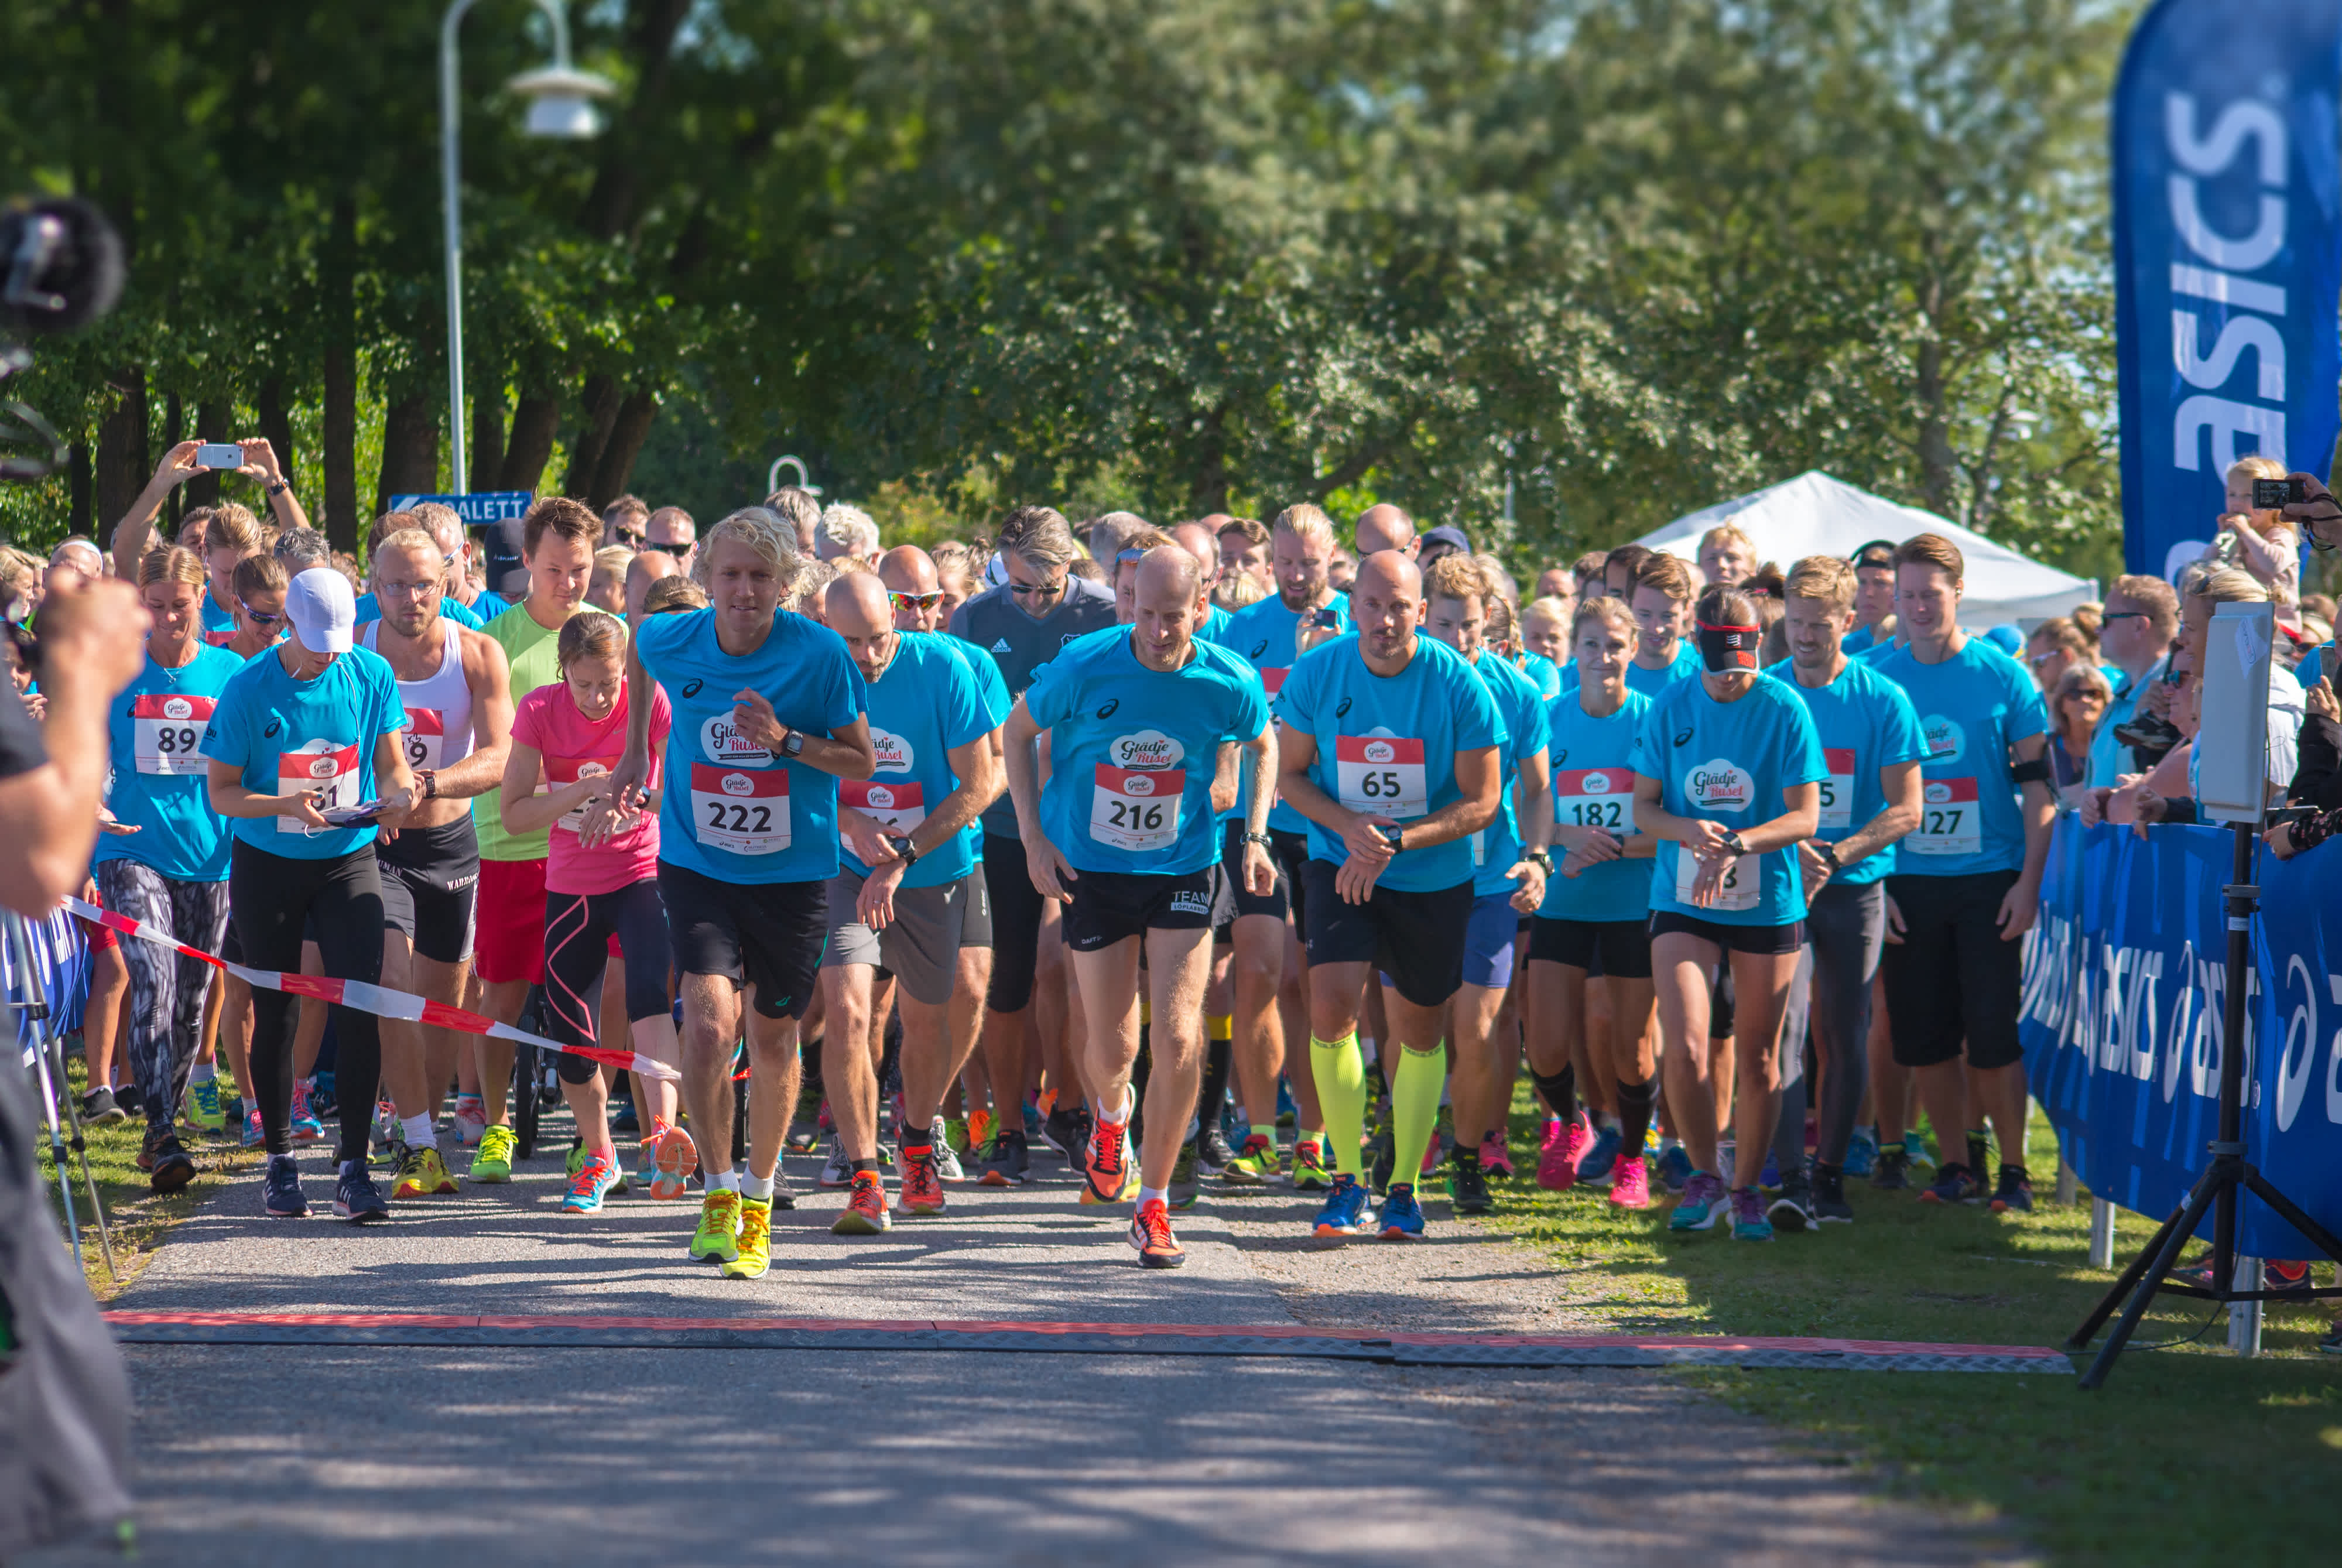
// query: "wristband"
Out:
[430,777]
[2035,772]
[1261,839]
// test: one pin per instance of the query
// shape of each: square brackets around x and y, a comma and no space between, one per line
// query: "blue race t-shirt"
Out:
[1727,763]
[1865,724]
[370,609]
[1972,708]
[730,809]
[1265,632]
[158,779]
[1684,666]
[289,735]
[1496,848]
[1132,750]
[1858,641]
[925,704]
[488,606]
[997,703]
[1547,674]
[1386,745]
[1594,786]
[216,619]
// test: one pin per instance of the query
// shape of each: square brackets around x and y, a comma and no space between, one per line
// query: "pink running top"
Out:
[573,745]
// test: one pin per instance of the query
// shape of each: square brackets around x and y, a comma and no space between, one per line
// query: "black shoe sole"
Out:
[172,1174]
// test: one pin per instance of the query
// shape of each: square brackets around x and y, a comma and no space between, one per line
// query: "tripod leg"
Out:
[2317,1235]
[2079,1340]
[2175,1235]
[81,1151]
[50,1086]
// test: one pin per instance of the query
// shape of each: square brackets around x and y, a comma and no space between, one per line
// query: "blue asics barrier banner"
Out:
[2125,975]
[2227,213]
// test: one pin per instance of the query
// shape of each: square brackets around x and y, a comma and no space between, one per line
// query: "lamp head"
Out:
[561,101]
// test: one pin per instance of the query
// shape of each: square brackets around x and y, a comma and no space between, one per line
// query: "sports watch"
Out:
[793,743]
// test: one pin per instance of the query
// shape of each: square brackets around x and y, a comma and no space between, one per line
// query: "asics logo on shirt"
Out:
[1342,710]
[1111,704]
[274,725]
[1148,749]
[1560,756]
[691,688]
[1683,737]
[1259,648]
[1720,785]
[1946,740]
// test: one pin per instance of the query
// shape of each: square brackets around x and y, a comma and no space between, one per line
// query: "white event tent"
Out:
[1814,514]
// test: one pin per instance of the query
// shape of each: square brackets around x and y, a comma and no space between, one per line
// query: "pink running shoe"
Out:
[1558,1168]
[1496,1160]
[1553,1131]
[1630,1183]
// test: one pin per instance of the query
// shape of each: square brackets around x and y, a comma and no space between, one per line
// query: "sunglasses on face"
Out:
[258,618]
[1035,590]
[916,601]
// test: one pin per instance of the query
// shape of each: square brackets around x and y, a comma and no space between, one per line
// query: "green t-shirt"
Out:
[533,652]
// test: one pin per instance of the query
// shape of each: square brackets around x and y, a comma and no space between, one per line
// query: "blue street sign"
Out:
[479,507]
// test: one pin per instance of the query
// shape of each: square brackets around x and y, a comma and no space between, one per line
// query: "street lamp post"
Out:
[560,104]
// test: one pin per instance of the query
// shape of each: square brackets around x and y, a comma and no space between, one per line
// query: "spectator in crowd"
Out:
[643,569]
[1341,566]
[2089,623]
[607,589]
[2077,705]
[1384,526]
[2260,540]
[2140,620]
[1621,567]
[1589,571]
[2055,646]
[1244,552]
[2317,607]
[845,529]
[671,529]
[622,521]
[1108,534]
[798,509]
[1728,556]
[1440,542]
[1556,583]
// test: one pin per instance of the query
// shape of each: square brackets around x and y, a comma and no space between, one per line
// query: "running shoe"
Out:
[1953,1184]
[865,1213]
[421,1174]
[717,1238]
[1183,1191]
[947,1166]
[674,1160]
[280,1190]
[1595,1169]
[976,1132]
[1914,1149]
[492,1160]
[323,1098]
[1495,1159]
[1467,1189]
[1257,1163]
[923,1184]
[2288,1280]
[1212,1154]
[624,1117]
[1309,1172]
[470,1120]
[1861,1154]
[1653,1144]
[1673,1168]
[254,1135]
[356,1197]
[1630,1183]
[1402,1215]
[1150,1233]
[2332,1343]
[1107,1175]
[1892,1172]
[1066,1129]
[1769,1178]
[1793,1209]
[837,1171]
[1748,1221]
[387,1129]
[1348,1211]
[167,1165]
[1557,1167]
[752,1249]
[1701,1205]
[1831,1207]
[577,1161]
[597,1176]
[204,1113]
[99,1108]
[646,1161]
[1555,1129]
[307,1128]
[1382,1154]
[2015,1191]
[1008,1164]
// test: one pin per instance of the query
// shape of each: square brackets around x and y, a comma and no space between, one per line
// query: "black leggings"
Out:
[1015,925]
[577,931]
[272,897]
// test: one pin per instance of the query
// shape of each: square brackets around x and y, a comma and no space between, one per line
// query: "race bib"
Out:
[740,811]
[166,731]
[1596,797]
[1837,792]
[1949,822]
[561,771]
[1136,810]
[1383,774]
[899,807]
[1744,879]
[329,771]
[424,737]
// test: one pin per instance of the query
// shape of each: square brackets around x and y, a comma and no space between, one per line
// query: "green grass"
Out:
[2188,1454]
[138,1218]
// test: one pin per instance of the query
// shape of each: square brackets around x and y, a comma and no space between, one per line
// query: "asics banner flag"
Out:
[2227,213]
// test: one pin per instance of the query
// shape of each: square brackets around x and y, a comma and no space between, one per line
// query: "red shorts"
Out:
[508,940]
[104,938]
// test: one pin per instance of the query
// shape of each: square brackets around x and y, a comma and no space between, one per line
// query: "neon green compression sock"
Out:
[1341,1078]
[1414,1109]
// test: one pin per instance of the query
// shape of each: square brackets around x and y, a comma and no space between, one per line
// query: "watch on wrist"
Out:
[276,487]
[1731,838]
[1541,859]
[1393,836]
[903,847]
[793,743]
[1261,839]
[1828,852]
[430,777]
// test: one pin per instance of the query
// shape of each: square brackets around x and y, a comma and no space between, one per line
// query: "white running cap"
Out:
[322,609]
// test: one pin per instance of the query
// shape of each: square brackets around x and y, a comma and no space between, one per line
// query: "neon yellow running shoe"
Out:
[1310,1172]
[204,1107]
[492,1160]
[752,1248]
[1257,1163]
[577,1160]
[718,1236]
[421,1174]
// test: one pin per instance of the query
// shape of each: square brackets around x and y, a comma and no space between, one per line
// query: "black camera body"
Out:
[2270,494]
[60,268]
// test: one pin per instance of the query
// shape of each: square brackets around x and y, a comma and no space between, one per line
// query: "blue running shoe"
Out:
[1749,1221]
[1402,1215]
[596,1175]
[1596,1169]
[1861,1153]
[1348,1211]
[1770,1176]
[1914,1149]
[280,1190]
[356,1197]
[1674,1169]
[1701,1205]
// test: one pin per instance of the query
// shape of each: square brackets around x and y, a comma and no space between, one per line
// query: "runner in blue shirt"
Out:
[1509,868]
[163,857]
[768,715]
[1713,757]
[1665,656]
[1595,913]
[304,738]
[1389,747]
[1874,598]
[1123,834]
[1872,747]
[1967,880]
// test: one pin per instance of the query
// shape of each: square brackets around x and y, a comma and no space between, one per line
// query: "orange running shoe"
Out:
[979,1134]
[865,1208]
[923,1186]
[1106,1172]
[676,1159]
[1150,1232]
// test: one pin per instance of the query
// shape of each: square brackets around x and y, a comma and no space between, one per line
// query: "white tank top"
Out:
[438,708]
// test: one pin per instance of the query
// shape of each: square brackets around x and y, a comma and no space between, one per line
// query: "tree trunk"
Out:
[338,302]
[535,421]
[77,489]
[410,451]
[277,425]
[213,421]
[123,466]
[601,411]
[487,455]
[626,444]
[174,424]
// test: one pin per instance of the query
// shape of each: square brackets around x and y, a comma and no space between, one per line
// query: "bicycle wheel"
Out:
[525,1109]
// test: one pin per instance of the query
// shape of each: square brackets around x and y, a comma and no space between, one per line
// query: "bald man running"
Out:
[1384,526]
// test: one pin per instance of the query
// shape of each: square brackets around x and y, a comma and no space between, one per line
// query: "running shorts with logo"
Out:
[1598,920]
[430,880]
[919,946]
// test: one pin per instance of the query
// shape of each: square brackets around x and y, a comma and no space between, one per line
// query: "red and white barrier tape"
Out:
[379,1000]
